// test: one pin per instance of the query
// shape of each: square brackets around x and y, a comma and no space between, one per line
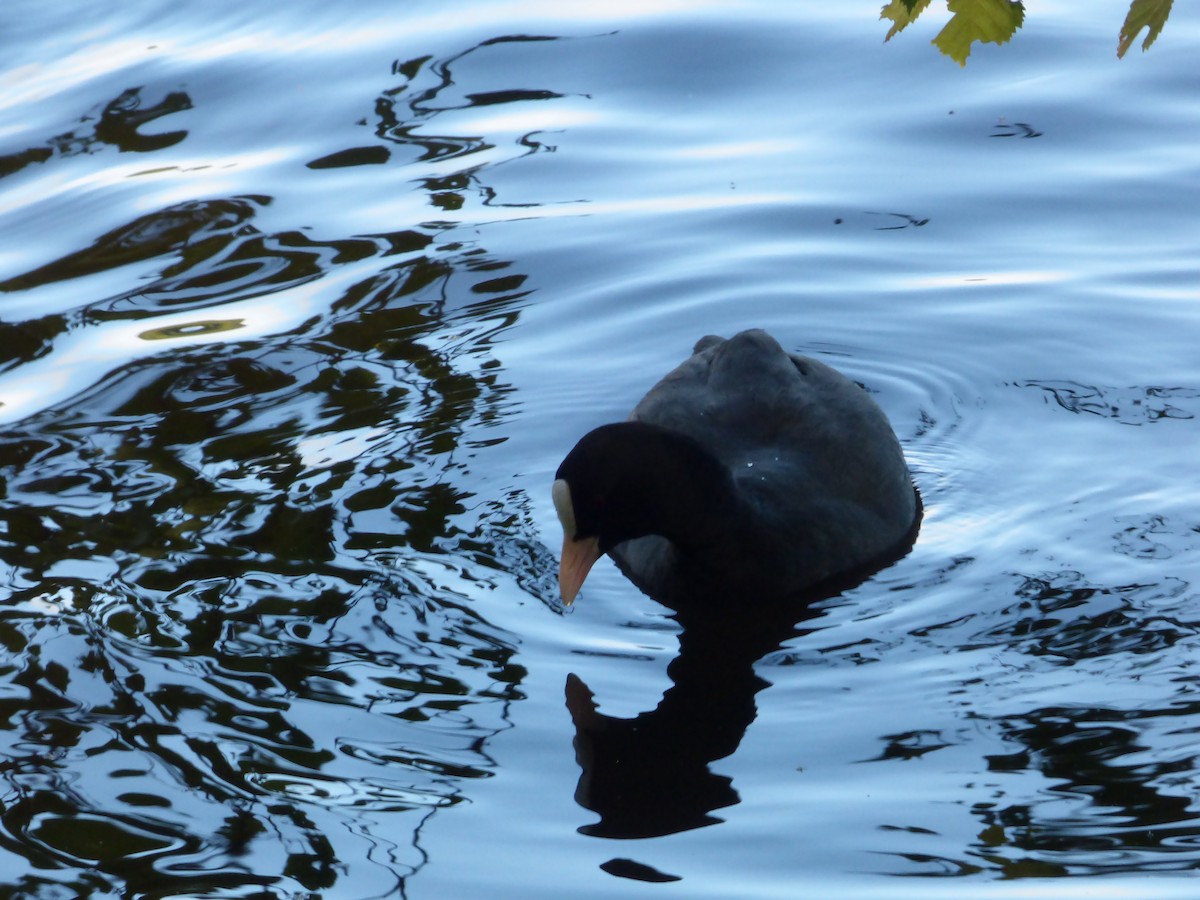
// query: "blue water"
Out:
[300,308]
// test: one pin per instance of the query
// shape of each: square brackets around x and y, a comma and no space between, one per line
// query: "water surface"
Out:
[299,310]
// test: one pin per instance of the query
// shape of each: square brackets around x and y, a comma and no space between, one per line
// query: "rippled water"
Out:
[299,310]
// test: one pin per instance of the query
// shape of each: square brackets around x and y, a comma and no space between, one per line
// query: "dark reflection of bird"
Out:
[745,470]
[650,775]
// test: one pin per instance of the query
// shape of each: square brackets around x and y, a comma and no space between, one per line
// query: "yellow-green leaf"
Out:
[991,21]
[902,13]
[1151,14]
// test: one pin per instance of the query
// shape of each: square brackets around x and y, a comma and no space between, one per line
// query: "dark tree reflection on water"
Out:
[236,623]
[1114,784]
[115,126]
[213,551]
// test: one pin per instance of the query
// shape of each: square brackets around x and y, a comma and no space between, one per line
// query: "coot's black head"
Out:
[624,481]
[601,488]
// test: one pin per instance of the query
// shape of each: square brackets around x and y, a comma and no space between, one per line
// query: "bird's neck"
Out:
[690,496]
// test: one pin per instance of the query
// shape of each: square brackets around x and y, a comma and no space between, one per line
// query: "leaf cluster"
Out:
[996,21]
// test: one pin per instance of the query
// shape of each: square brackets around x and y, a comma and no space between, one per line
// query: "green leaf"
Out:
[902,13]
[991,21]
[1151,14]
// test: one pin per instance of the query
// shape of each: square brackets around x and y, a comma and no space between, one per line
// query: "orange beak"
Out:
[577,560]
[578,556]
